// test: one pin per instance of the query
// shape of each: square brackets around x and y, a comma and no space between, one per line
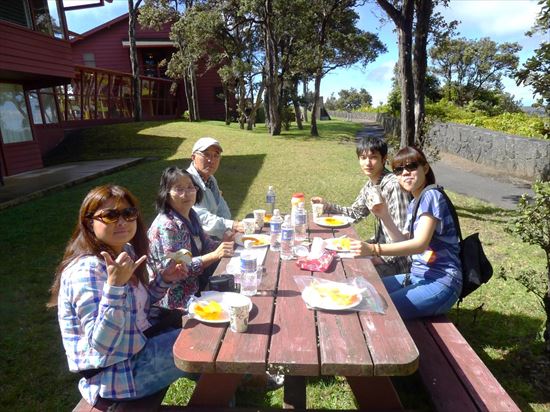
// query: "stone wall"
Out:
[515,155]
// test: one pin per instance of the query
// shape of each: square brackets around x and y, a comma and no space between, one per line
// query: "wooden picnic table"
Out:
[284,336]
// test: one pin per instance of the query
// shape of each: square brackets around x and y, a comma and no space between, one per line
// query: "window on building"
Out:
[43,106]
[89,59]
[16,11]
[34,102]
[14,117]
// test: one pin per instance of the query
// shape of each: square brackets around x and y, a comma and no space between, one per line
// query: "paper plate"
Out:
[333,221]
[315,296]
[258,240]
[224,299]
[338,244]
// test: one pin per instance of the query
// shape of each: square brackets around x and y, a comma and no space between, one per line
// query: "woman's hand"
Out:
[120,270]
[174,272]
[380,210]
[225,249]
[238,226]
[359,248]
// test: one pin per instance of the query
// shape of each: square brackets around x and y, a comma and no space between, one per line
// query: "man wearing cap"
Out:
[213,211]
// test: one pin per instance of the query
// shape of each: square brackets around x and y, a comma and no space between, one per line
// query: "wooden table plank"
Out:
[271,274]
[392,349]
[293,349]
[197,346]
[247,352]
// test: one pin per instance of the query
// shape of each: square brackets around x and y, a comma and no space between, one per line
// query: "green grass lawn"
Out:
[501,320]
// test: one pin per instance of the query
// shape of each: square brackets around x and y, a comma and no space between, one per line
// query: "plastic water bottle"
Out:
[300,223]
[294,202]
[270,198]
[275,230]
[287,239]
[249,274]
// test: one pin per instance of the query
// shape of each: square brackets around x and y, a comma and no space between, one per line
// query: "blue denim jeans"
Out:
[423,297]
[154,367]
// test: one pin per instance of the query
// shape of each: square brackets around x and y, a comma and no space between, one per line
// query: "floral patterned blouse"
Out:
[169,233]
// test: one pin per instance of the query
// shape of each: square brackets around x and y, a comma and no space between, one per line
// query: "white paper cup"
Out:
[238,315]
[259,216]
[317,210]
[249,225]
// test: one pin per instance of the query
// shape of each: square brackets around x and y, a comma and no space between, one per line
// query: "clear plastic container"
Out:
[275,231]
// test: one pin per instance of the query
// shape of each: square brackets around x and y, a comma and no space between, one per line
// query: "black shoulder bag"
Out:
[476,268]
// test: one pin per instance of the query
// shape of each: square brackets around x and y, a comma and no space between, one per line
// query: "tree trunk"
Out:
[316,93]
[305,96]
[194,93]
[406,77]
[424,10]
[242,103]
[188,98]
[226,104]
[272,66]
[297,111]
[136,82]
[255,107]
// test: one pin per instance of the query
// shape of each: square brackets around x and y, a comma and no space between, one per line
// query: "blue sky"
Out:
[501,20]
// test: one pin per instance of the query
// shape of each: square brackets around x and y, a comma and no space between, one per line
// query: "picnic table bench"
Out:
[453,374]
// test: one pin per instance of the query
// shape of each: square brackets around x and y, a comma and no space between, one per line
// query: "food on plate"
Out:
[342,243]
[180,256]
[255,240]
[211,310]
[267,218]
[333,221]
[334,294]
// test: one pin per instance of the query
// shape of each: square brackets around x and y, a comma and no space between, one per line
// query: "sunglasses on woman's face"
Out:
[108,216]
[409,167]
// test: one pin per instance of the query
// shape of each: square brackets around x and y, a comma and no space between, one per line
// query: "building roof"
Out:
[100,27]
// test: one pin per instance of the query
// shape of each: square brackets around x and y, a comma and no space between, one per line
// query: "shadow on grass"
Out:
[113,141]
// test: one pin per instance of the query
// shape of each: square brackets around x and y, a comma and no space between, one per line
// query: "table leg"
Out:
[374,392]
[294,392]
[215,389]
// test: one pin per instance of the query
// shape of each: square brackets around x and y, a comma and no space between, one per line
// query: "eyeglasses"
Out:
[180,190]
[210,156]
[108,216]
[409,167]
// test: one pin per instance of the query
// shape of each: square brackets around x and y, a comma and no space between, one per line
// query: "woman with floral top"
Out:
[104,297]
[177,227]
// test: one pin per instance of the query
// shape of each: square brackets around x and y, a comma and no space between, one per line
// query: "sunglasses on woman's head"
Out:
[112,215]
[409,167]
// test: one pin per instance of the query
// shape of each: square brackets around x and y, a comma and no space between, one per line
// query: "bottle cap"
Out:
[276,212]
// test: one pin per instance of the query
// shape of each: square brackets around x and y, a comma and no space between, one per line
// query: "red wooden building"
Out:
[50,82]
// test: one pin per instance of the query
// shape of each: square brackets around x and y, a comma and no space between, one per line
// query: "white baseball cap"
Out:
[204,143]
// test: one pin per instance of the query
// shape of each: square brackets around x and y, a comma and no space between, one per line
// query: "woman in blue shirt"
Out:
[104,296]
[435,281]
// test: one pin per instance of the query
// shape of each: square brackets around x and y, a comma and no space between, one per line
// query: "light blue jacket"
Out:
[213,211]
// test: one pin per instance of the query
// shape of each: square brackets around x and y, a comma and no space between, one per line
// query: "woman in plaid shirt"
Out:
[372,153]
[104,296]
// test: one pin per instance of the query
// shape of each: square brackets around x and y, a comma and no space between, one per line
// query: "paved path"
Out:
[29,185]
[471,179]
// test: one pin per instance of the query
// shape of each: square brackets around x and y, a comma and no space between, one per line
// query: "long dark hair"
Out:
[411,154]
[167,180]
[83,241]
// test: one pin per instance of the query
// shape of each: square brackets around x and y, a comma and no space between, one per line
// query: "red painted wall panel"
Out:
[48,137]
[21,157]
[24,52]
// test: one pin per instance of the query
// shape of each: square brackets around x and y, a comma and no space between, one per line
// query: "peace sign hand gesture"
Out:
[119,271]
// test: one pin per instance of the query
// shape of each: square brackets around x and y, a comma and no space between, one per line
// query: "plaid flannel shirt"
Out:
[397,200]
[99,329]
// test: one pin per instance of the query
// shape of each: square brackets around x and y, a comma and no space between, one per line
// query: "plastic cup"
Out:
[249,225]
[238,314]
[316,210]
[259,216]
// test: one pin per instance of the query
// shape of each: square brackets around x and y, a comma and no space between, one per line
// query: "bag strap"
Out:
[449,203]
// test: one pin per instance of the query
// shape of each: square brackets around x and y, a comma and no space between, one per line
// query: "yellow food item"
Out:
[333,221]
[267,218]
[255,240]
[334,294]
[342,243]
[211,311]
